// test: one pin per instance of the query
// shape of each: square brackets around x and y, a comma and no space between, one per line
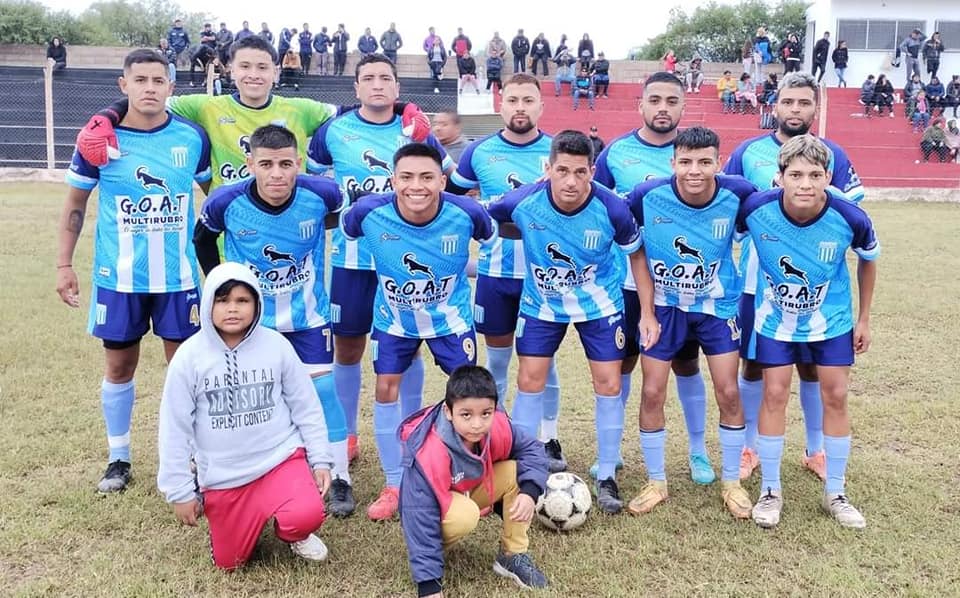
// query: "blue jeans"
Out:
[564,75]
[582,92]
[840,79]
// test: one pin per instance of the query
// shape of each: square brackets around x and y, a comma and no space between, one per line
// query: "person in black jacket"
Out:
[601,77]
[840,57]
[56,54]
[931,53]
[585,52]
[820,52]
[520,46]
[339,42]
[540,52]
[322,43]
[791,52]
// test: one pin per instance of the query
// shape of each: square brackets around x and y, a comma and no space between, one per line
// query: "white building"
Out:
[874,28]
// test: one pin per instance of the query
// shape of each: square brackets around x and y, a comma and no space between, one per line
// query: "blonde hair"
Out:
[806,147]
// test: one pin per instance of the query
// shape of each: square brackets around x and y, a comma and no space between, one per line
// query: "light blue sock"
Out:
[625,380]
[411,387]
[498,362]
[117,403]
[654,444]
[332,408]
[693,400]
[770,451]
[609,422]
[838,451]
[386,420]
[551,404]
[731,445]
[751,395]
[347,380]
[527,410]
[812,415]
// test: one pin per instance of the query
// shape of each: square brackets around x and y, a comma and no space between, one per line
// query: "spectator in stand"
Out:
[540,53]
[208,37]
[746,91]
[726,91]
[840,58]
[390,42]
[437,57]
[762,52]
[290,69]
[821,50]
[224,41]
[428,45]
[868,93]
[746,56]
[583,86]
[497,47]
[199,63]
[494,69]
[934,141]
[910,91]
[585,52]
[669,62]
[921,112]
[265,33]
[931,53]
[244,32]
[910,50]
[287,36]
[306,48]
[178,38]
[461,44]
[449,132]
[56,54]
[792,54]
[694,76]
[339,41]
[367,44]
[467,67]
[520,46]
[601,76]
[936,95]
[883,95]
[322,43]
[167,52]
[561,47]
[770,86]
[219,74]
[565,64]
[953,95]
[595,139]
[952,134]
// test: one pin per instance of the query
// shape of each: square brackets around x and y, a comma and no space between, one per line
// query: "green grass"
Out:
[59,538]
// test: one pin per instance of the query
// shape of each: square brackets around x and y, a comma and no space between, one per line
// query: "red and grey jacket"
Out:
[436,464]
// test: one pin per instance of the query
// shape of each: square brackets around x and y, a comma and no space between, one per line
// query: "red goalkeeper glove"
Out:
[416,125]
[97,141]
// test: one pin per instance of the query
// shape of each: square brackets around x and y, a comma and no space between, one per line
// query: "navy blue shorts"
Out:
[836,351]
[631,322]
[314,346]
[394,354]
[351,301]
[748,344]
[497,304]
[603,339]
[677,328]
[125,317]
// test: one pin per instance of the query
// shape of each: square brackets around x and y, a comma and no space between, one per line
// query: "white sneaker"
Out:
[847,515]
[436,90]
[311,548]
[766,513]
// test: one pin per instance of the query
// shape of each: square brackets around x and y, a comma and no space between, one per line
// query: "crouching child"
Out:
[463,458]
[237,398]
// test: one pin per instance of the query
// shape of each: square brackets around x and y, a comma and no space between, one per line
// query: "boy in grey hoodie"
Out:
[237,398]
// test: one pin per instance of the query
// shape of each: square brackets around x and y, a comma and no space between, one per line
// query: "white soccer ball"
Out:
[565,503]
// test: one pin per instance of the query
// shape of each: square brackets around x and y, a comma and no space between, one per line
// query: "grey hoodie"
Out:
[241,411]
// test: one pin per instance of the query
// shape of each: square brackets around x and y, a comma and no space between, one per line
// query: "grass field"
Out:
[59,538]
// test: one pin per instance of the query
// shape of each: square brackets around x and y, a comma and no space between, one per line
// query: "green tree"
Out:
[23,22]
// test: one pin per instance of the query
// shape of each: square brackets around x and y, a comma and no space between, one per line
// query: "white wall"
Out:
[826,13]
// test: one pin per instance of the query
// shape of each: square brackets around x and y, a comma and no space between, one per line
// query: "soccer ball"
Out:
[565,503]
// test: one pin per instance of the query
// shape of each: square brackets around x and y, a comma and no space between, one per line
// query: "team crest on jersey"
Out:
[307,228]
[792,297]
[370,158]
[148,181]
[563,275]
[720,227]
[179,155]
[591,239]
[827,251]
[449,244]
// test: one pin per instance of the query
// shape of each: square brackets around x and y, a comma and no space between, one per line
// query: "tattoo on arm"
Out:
[75,221]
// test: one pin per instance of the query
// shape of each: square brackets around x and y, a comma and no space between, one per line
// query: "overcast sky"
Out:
[614,30]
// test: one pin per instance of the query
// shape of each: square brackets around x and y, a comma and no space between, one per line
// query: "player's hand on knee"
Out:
[97,141]
[415,123]
[322,477]
[521,510]
[861,337]
[649,330]
[67,286]
[188,512]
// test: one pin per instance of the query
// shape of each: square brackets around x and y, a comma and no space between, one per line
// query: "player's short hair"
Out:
[373,59]
[521,79]
[254,42]
[143,56]
[696,138]
[807,147]
[800,80]
[573,143]
[663,77]
[418,150]
[453,114]
[470,382]
[272,137]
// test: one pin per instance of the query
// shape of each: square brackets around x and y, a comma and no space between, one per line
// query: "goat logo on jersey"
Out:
[270,252]
[244,143]
[673,277]
[564,277]
[791,297]
[685,250]
[788,269]
[553,250]
[409,260]
[147,180]
[514,181]
[416,293]
[372,161]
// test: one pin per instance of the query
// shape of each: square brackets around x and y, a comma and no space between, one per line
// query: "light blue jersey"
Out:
[498,166]
[423,290]
[806,296]
[756,160]
[573,272]
[689,249]
[360,154]
[627,162]
[145,220]
[283,246]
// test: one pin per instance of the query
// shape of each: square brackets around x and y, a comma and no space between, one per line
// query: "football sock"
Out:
[386,420]
[498,362]
[336,424]
[527,409]
[609,422]
[411,387]
[625,380]
[653,444]
[751,395]
[551,404]
[731,445]
[693,400]
[837,449]
[347,379]
[117,403]
[812,415]
[770,451]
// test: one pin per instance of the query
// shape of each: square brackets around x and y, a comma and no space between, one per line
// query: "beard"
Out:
[661,129]
[794,131]
[520,129]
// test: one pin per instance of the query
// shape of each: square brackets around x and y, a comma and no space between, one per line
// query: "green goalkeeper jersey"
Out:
[229,125]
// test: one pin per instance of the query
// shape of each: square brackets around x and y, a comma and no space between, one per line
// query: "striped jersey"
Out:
[573,273]
[689,248]
[805,294]
[360,155]
[284,246]
[145,220]
[497,166]
[423,290]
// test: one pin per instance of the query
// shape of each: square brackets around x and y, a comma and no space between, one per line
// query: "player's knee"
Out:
[728,396]
[531,381]
[833,396]
[775,396]
[388,388]
[653,394]
[607,386]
